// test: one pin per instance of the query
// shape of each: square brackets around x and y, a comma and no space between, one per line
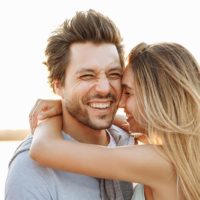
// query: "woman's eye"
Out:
[127,93]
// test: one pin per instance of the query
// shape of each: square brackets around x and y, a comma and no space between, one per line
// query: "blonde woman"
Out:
[161,98]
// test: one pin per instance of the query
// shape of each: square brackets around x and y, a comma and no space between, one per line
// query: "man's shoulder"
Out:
[25,178]
[22,149]
[21,162]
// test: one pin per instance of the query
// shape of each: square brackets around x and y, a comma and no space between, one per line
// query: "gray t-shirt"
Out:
[27,180]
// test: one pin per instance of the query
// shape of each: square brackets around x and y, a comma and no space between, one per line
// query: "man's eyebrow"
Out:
[84,70]
[116,69]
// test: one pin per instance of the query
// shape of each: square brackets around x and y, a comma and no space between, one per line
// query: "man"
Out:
[85,64]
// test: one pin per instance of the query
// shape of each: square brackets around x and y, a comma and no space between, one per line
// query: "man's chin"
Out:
[99,125]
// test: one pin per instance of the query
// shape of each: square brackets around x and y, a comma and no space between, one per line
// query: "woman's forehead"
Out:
[127,79]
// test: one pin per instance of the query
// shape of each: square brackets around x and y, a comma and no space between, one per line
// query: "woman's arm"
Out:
[137,163]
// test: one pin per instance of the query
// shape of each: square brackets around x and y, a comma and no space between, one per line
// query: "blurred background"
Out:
[26,25]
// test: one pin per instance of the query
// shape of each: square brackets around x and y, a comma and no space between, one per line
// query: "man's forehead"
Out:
[93,57]
[91,51]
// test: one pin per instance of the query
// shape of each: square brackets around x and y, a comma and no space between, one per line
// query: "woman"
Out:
[161,98]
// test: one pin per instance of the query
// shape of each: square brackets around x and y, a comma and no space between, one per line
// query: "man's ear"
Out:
[58,89]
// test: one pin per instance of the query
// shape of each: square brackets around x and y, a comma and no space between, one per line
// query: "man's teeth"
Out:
[100,105]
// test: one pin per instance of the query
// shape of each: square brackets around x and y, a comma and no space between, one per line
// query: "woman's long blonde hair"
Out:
[167,84]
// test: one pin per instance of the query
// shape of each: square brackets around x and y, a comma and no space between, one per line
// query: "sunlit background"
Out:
[26,25]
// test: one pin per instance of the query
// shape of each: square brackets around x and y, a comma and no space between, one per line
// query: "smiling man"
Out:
[85,64]
[92,88]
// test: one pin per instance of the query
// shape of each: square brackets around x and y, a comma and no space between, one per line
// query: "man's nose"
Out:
[103,86]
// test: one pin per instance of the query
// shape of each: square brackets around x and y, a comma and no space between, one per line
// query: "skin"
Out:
[91,92]
[128,102]
[138,163]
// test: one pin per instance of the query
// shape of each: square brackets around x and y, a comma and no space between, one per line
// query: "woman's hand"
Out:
[43,109]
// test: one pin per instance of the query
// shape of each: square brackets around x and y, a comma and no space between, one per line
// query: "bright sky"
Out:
[26,25]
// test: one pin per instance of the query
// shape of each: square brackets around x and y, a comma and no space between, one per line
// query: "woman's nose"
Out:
[122,101]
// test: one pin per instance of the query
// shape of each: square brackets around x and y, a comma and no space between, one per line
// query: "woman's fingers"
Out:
[43,109]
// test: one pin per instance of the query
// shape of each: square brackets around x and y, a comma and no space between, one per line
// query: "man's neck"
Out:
[83,133]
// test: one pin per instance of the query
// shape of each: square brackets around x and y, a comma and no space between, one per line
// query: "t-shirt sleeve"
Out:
[27,180]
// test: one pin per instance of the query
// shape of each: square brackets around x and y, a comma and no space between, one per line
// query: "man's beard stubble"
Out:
[75,110]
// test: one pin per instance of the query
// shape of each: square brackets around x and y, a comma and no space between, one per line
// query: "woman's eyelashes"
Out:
[128,92]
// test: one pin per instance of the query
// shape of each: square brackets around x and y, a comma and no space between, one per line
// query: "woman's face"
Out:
[128,101]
